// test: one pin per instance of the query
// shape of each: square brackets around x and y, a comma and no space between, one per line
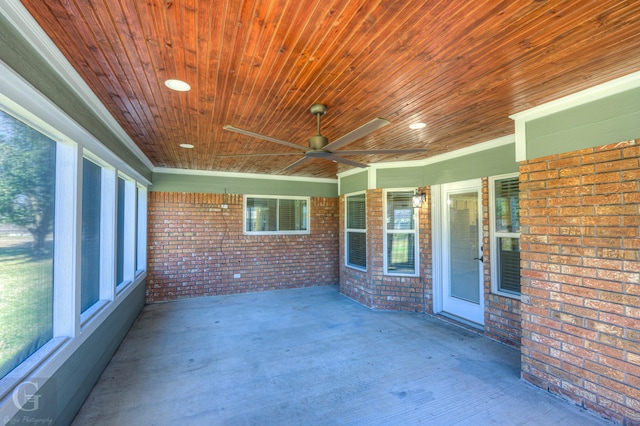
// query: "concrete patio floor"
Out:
[312,357]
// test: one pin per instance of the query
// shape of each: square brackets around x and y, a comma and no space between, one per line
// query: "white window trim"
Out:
[129,243]
[347,230]
[386,231]
[130,219]
[493,245]
[276,197]
[141,229]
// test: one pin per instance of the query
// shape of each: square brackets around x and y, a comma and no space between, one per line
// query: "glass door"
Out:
[462,284]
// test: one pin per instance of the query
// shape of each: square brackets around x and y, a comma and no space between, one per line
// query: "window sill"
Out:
[400,274]
[515,296]
[356,268]
[277,233]
[122,287]
[91,312]
[23,371]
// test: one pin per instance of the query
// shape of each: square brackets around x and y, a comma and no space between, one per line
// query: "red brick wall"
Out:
[580,277]
[372,287]
[501,314]
[195,247]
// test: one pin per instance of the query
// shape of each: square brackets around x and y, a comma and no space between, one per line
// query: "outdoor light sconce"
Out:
[418,199]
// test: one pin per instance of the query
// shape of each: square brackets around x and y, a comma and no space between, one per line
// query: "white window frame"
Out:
[494,235]
[129,244]
[277,232]
[141,229]
[107,203]
[349,230]
[413,231]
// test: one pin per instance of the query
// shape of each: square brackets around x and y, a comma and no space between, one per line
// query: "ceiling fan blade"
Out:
[345,161]
[259,136]
[357,133]
[258,154]
[382,151]
[295,164]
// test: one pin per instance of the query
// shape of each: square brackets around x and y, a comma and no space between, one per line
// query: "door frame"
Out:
[437,234]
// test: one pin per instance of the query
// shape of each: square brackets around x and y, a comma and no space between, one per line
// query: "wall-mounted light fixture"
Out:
[418,199]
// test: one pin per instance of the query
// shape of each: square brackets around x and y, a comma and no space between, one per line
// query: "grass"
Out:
[26,301]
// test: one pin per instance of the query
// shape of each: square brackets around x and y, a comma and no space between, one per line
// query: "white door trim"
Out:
[436,247]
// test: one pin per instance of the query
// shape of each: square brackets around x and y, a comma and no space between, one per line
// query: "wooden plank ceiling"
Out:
[460,66]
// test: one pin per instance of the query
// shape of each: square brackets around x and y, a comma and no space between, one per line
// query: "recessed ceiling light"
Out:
[177,85]
[186,145]
[416,126]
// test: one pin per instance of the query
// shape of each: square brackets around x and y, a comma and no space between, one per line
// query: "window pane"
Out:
[356,212]
[401,253]
[509,264]
[399,210]
[356,240]
[507,205]
[261,214]
[120,232]
[292,215]
[27,195]
[90,262]
[357,252]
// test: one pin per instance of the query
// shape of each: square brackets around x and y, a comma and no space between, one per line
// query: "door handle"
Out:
[481,258]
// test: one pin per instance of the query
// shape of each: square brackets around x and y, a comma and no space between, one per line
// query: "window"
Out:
[90,257]
[120,227]
[268,215]
[126,230]
[400,234]
[27,199]
[356,231]
[505,247]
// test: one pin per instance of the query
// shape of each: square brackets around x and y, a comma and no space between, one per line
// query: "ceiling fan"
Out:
[319,146]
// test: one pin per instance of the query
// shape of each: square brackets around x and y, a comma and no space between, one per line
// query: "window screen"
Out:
[400,234]
[90,257]
[507,234]
[276,215]
[356,232]
[120,237]
[27,195]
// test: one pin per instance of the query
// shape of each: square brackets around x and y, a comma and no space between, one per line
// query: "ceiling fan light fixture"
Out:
[416,126]
[186,145]
[177,85]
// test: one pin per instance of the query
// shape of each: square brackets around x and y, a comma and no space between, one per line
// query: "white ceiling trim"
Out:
[585,96]
[241,175]
[24,23]
[484,146]
[22,101]
[613,87]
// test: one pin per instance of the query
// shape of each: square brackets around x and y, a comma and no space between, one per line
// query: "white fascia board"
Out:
[24,23]
[484,146]
[241,175]
[585,96]
[38,112]
[582,97]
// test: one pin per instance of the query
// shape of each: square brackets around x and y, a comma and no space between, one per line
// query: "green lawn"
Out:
[26,301]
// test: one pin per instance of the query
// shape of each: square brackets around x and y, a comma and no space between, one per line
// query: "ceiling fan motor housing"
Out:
[317,142]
